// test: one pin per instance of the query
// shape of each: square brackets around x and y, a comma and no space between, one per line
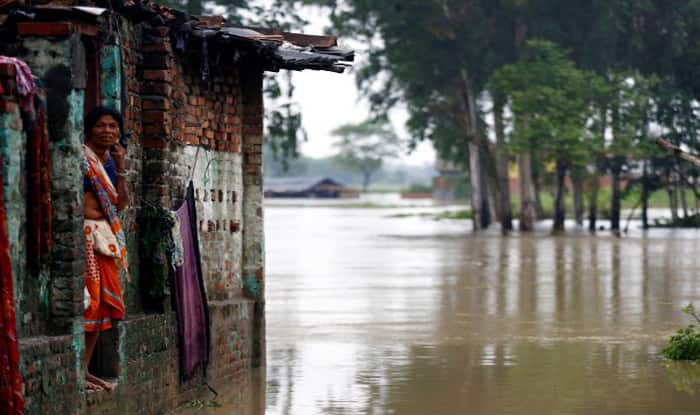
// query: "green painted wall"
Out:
[13,147]
[111,66]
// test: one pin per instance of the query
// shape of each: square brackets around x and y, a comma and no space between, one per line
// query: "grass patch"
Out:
[458,214]
[410,215]
[454,215]
[657,200]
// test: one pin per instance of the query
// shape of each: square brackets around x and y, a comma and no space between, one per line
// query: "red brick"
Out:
[154,144]
[8,70]
[155,117]
[157,75]
[162,47]
[156,88]
[8,106]
[156,129]
[156,103]
[252,136]
[161,31]
[155,61]
[9,85]
[44,28]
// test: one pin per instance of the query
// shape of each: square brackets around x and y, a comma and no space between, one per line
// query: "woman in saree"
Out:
[105,195]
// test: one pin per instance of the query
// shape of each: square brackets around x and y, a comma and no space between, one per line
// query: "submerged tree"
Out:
[550,100]
[363,147]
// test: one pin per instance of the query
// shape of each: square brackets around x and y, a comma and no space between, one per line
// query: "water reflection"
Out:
[375,315]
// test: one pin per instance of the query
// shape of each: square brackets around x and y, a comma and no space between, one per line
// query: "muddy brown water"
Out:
[369,313]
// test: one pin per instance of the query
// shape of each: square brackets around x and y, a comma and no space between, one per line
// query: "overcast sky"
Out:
[329,99]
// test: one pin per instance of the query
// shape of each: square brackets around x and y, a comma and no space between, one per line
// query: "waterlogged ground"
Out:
[370,311]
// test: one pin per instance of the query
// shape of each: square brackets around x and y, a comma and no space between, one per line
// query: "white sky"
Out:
[328,99]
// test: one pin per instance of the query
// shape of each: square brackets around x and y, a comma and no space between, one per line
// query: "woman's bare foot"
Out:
[92,387]
[108,386]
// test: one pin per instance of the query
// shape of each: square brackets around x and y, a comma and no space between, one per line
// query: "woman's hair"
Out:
[98,112]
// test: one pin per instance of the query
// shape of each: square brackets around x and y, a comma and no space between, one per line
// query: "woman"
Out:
[105,246]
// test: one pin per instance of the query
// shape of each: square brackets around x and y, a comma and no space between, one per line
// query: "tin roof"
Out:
[276,49]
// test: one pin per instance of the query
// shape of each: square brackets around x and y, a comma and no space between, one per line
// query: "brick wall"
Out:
[185,126]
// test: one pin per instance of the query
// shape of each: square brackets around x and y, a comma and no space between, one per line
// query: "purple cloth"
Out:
[190,297]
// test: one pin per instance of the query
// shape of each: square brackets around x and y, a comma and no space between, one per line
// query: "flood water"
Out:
[373,313]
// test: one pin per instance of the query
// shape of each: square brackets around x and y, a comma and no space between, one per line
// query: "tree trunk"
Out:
[595,181]
[593,202]
[577,181]
[559,208]
[537,184]
[683,197]
[615,200]
[480,208]
[503,196]
[366,178]
[528,211]
[672,200]
[645,196]
[615,171]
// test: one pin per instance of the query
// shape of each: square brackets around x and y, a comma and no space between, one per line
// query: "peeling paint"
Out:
[111,82]
[78,347]
[13,148]
[252,285]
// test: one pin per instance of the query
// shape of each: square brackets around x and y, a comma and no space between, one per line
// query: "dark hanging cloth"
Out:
[190,297]
[11,400]
[39,185]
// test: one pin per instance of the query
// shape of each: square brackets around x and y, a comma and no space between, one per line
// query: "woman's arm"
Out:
[117,152]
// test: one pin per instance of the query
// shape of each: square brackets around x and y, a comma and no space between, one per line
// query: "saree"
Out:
[11,400]
[105,251]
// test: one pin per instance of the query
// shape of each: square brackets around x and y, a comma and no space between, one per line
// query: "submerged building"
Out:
[307,187]
[191,92]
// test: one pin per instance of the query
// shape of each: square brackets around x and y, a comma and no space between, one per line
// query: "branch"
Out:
[678,152]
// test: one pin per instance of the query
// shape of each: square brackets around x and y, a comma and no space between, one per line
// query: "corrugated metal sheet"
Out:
[275,49]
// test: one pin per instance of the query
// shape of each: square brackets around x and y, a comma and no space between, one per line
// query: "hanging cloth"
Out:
[11,400]
[190,297]
[24,80]
[39,187]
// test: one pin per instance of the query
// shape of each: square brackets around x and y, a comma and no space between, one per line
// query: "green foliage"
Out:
[201,404]
[550,99]
[363,147]
[283,120]
[685,344]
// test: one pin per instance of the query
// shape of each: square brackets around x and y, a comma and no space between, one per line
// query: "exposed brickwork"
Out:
[48,367]
[183,127]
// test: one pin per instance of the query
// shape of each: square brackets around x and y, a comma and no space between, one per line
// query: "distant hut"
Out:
[308,187]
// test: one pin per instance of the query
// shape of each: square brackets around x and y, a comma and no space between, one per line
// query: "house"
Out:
[191,92]
[309,187]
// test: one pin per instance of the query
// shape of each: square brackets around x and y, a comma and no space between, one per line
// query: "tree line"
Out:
[569,91]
